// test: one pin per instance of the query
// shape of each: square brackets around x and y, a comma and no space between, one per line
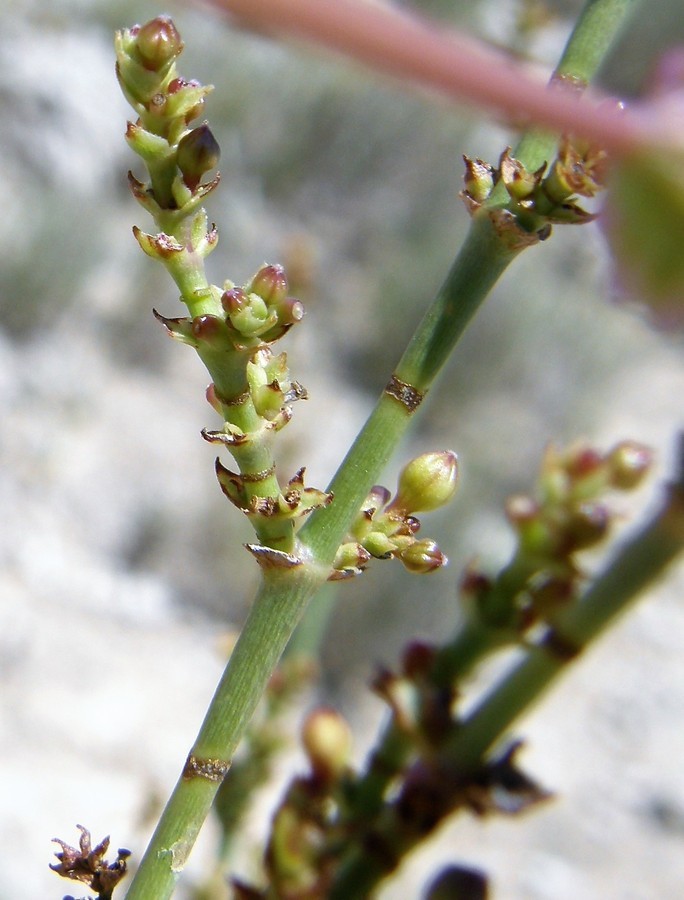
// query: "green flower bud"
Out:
[186,98]
[587,525]
[158,43]
[248,313]
[426,483]
[351,557]
[478,180]
[423,557]
[536,535]
[518,181]
[327,741]
[266,385]
[198,152]
[379,545]
[629,464]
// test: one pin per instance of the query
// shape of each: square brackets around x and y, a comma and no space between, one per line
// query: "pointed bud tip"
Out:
[270,283]
[158,42]
[427,482]
[198,153]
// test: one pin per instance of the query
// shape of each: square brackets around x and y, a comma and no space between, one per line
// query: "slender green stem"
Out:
[592,36]
[285,593]
[283,597]
[479,264]
[640,562]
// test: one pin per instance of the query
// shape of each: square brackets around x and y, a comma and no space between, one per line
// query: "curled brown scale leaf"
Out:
[87,864]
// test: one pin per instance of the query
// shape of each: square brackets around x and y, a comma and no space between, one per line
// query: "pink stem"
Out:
[413,49]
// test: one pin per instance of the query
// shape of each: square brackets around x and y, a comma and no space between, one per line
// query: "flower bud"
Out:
[588,524]
[459,883]
[158,43]
[379,545]
[427,482]
[210,330]
[478,180]
[351,556]
[377,499]
[270,283]
[289,311]
[418,659]
[185,99]
[518,181]
[327,742]
[629,463]
[423,557]
[198,152]
[233,300]
[582,462]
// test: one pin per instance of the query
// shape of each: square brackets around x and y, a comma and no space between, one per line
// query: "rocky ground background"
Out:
[121,571]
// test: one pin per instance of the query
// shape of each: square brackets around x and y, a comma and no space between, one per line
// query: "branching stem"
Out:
[285,593]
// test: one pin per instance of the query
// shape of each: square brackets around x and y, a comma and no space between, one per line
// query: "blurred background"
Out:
[121,567]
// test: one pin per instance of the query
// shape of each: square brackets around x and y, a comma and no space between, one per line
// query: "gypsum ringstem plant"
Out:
[456,767]
[282,598]
[565,515]
[231,328]
[338,832]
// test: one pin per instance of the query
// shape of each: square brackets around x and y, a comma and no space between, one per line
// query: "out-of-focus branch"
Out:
[420,52]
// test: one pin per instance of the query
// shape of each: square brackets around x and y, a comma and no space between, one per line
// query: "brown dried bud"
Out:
[88,865]
[417,659]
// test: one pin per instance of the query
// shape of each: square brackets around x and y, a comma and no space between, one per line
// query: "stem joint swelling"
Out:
[409,396]
[203,767]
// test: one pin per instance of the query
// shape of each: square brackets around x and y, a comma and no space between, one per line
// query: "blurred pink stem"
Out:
[413,49]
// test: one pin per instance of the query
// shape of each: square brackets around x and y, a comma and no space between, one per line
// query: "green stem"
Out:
[592,36]
[284,596]
[640,562]
[478,266]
